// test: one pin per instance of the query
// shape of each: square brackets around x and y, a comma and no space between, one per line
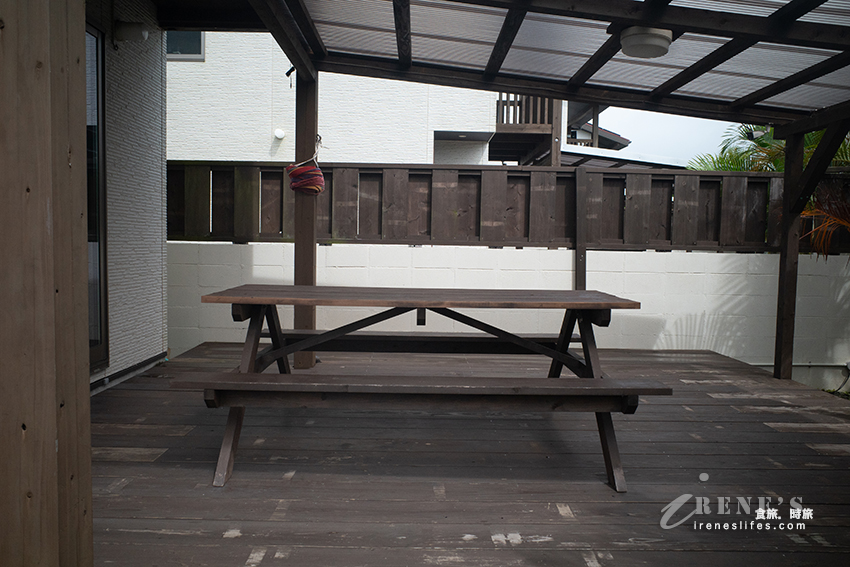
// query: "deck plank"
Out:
[380,488]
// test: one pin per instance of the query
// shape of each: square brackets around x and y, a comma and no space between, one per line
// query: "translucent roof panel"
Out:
[472,55]
[553,46]
[748,7]
[753,69]
[835,12]
[355,26]
[452,20]
[631,72]
[828,90]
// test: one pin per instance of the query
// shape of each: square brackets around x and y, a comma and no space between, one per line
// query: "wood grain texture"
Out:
[259,294]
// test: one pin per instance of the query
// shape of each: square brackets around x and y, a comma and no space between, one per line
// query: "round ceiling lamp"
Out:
[638,41]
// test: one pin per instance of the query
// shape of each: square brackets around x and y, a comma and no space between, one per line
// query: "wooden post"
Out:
[306,132]
[555,147]
[45,495]
[594,140]
[789,254]
[580,271]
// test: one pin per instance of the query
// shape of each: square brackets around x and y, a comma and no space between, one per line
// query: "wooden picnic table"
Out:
[258,304]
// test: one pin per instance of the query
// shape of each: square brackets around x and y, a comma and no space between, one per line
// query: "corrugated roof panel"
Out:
[359,41]
[773,61]
[835,12]
[542,64]
[723,86]
[749,7]
[556,34]
[631,73]
[449,52]
[826,91]
[453,20]
[368,13]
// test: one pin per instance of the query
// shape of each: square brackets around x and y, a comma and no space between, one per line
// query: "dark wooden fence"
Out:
[492,206]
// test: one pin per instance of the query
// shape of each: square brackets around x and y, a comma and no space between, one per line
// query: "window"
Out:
[184,45]
[96,176]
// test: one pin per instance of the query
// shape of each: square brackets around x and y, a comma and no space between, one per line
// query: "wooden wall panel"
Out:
[733,211]
[394,208]
[197,214]
[443,204]
[324,207]
[344,207]
[774,212]
[637,213]
[708,220]
[371,189]
[468,207]
[419,206]
[685,210]
[246,204]
[271,203]
[222,203]
[516,207]
[541,206]
[757,197]
[494,190]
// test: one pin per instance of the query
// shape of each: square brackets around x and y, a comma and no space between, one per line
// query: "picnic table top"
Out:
[349,296]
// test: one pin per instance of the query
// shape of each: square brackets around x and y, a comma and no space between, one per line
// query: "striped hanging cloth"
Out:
[305,178]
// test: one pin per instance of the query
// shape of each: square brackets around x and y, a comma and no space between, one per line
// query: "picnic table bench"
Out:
[250,386]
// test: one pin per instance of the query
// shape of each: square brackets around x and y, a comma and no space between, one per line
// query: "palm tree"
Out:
[748,147]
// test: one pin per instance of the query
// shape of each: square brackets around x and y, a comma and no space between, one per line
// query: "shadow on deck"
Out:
[350,488]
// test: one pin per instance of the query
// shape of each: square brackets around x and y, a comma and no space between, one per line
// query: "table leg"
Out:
[588,344]
[228,445]
[273,323]
[252,339]
[563,345]
[610,451]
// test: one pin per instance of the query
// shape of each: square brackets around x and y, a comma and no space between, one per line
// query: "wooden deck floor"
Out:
[353,488]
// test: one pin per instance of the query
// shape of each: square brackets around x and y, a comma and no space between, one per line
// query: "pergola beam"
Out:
[818,163]
[677,18]
[401,14]
[825,67]
[277,18]
[307,26]
[438,75]
[507,35]
[817,120]
[780,19]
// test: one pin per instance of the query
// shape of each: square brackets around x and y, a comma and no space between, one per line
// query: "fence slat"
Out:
[443,204]
[733,211]
[757,201]
[370,205]
[685,210]
[594,204]
[222,203]
[271,203]
[419,206]
[637,211]
[468,207]
[344,203]
[246,204]
[288,198]
[197,213]
[516,207]
[494,188]
[774,212]
[323,206]
[541,206]
[708,221]
[395,206]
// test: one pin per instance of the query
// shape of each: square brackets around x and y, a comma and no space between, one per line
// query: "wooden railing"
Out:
[523,109]
[492,206]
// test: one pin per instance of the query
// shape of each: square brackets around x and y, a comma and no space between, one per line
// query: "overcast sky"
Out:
[664,135]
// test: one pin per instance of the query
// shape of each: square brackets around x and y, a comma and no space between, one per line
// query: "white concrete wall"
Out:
[228,107]
[721,302]
[135,188]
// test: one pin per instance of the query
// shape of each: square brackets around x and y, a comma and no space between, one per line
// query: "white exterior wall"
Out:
[721,302]
[135,189]
[228,107]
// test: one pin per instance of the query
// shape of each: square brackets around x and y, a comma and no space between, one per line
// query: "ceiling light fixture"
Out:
[646,43]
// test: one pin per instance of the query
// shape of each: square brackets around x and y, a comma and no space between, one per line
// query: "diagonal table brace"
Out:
[267,358]
[566,358]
